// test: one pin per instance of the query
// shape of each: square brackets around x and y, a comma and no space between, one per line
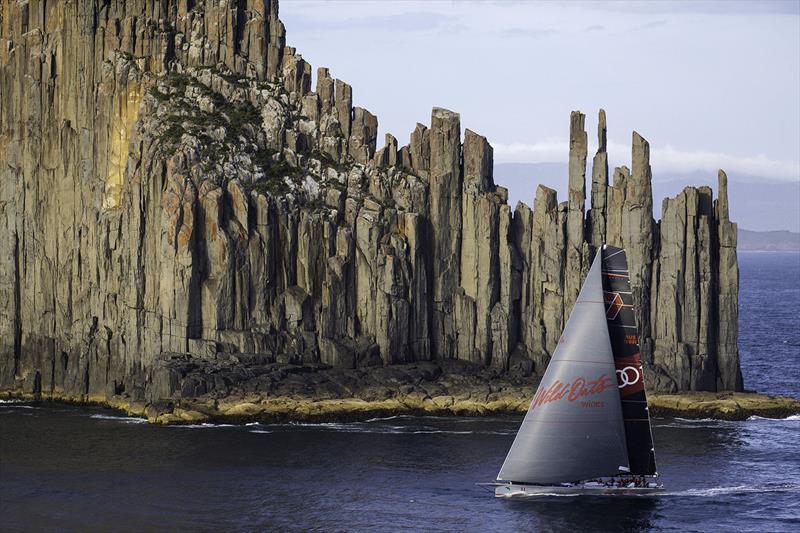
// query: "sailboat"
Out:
[587,430]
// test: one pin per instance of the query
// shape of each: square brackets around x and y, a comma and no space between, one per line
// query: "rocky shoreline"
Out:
[312,394]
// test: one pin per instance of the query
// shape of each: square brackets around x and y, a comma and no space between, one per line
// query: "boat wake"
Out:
[736,490]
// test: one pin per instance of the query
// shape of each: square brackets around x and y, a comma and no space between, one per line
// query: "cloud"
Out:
[652,24]
[594,27]
[400,22]
[534,33]
[710,7]
[542,152]
[664,158]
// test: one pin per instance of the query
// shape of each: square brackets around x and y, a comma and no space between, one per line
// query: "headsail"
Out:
[625,344]
[573,429]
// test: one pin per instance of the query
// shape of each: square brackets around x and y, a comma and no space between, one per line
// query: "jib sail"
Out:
[625,345]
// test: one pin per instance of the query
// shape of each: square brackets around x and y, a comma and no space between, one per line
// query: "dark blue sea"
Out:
[769,321]
[71,469]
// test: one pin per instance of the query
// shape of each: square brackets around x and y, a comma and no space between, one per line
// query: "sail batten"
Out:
[578,392]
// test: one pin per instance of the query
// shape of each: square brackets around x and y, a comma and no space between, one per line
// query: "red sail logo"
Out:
[578,389]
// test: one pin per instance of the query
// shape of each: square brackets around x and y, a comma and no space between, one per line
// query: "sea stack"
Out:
[181,210]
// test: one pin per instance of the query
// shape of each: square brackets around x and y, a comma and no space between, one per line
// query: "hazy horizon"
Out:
[756,204]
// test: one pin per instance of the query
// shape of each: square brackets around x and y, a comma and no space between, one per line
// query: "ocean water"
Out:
[769,321]
[64,468]
[70,469]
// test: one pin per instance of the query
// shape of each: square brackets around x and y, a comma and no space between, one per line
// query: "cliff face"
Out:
[180,210]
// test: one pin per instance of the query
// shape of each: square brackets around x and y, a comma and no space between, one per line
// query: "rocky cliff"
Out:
[181,213]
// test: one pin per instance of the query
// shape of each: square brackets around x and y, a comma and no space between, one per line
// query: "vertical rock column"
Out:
[688,324]
[178,276]
[445,218]
[296,74]
[575,209]
[668,271]
[413,228]
[546,277]
[419,150]
[637,236]
[727,268]
[505,312]
[392,308]
[615,199]
[681,291]
[387,156]
[277,41]
[479,252]
[699,292]
[522,235]
[596,219]
[332,138]
[368,232]
[344,106]
[363,136]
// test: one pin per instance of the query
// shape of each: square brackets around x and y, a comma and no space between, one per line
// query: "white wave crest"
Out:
[528,495]
[412,417]
[363,427]
[204,425]
[792,418]
[124,419]
[384,418]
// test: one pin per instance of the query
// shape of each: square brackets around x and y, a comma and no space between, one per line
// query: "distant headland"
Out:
[769,241]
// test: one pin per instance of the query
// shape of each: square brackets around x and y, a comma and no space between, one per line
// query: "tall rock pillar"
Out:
[445,218]
[277,41]
[575,209]
[637,235]
[730,373]
[596,220]
[480,279]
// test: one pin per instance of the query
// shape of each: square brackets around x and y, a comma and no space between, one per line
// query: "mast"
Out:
[625,345]
[574,428]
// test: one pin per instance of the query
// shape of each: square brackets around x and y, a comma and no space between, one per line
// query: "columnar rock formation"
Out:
[175,197]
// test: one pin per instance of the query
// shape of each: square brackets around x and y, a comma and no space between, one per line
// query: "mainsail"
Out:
[573,429]
[625,344]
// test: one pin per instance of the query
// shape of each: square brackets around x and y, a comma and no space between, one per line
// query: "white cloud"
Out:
[662,158]
[542,152]
[759,165]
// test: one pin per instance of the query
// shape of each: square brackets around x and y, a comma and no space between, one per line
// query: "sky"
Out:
[709,84]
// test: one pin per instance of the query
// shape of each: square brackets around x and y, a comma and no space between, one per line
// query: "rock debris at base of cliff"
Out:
[180,211]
